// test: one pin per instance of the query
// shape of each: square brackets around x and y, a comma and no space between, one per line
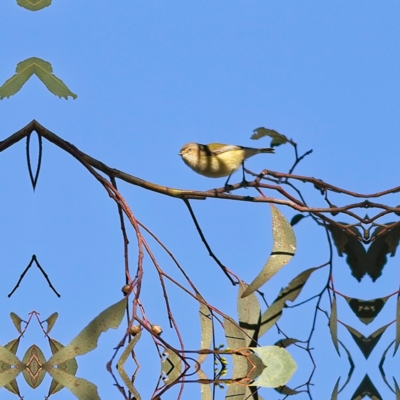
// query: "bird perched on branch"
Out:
[216,160]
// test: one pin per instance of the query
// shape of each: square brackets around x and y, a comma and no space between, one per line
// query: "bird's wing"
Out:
[225,148]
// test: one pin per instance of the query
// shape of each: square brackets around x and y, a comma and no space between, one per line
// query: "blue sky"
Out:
[151,76]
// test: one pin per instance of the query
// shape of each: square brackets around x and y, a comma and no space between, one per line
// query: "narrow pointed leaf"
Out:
[13,385]
[296,219]
[16,321]
[333,324]
[289,293]
[381,369]
[396,386]
[206,331]
[33,178]
[396,346]
[171,366]
[87,339]
[14,84]
[249,312]
[121,362]
[335,391]
[81,388]
[282,252]
[51,321]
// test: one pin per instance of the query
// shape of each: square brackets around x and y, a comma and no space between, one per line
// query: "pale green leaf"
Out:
[34,5]
[249,312]
[87,340]
[333,325]
[206,331]
[277,138]
[17,321]
[280,366]
[282,252]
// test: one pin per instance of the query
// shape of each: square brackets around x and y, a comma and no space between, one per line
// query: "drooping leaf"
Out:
[205,389]
[17,321]
[13,385]
[366,310]
[171,366]
[277,138]
[282,252]
[335,390]
[121,362]
[236,340]
[381,369]
[43,70]
[396,346]
[287,390]
[348,244]
[396,386]
[296,219]
[81,388]
[33,371]
[366,388]
[351,362]
[70,366]
[286,342]
[206,331]
[366,344]
[87,339]
[280,366]
[34,5]
[333,324]
[51,321]
[289,293]
[249,312]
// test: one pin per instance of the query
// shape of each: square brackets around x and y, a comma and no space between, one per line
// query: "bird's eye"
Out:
[189,150]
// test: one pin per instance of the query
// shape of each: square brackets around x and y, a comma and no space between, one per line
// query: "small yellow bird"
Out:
[216,160]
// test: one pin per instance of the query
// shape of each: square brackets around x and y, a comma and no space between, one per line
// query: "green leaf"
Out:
[277,138]
[335,390]
[289,293]
[81,388]
[87,340]
[333,324]
[34,5]
[122,361]
[282,252]
[171,366]
[13,385]
[43,70]
[33,372]
[51,321]
[236,340]
[206,331]
[249,312]
[280,366]
[70,366]
[16,321]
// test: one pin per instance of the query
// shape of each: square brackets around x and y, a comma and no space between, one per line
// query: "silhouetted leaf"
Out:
[381,369]
[366,310]
[287,390]
[366,388]
[396,346]
[249,312]
[277,138]
[333,324]
[282,252]
[35,178]
[296,219]
[289,293]
[335,390]
[280,366]
[44,71]
[87,339]
[366,344]
[348,244]
[34,5]
[396,386]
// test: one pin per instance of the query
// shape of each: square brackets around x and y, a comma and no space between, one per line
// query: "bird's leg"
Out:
[226,183]
[244,182]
